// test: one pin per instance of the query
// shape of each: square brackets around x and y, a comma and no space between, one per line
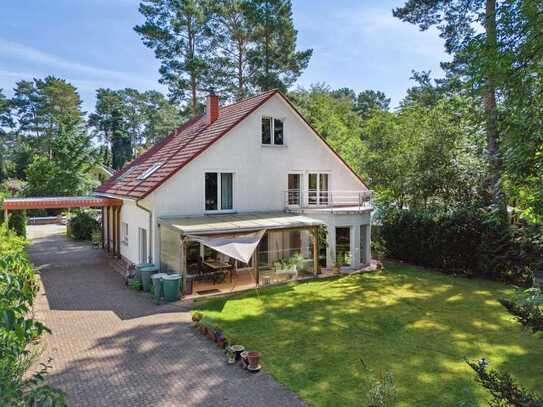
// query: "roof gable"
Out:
[186,143]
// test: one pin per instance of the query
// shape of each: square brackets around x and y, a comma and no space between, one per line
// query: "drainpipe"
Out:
[151,245]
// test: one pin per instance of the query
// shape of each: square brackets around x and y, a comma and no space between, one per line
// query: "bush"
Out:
[82,226]
[17,219]
[504,390]
[19,331]
[462,241]
[17,222]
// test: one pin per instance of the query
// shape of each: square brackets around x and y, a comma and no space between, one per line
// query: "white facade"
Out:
[260,174]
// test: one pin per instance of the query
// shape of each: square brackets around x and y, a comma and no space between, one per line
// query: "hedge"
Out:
[19,331]
[462,241]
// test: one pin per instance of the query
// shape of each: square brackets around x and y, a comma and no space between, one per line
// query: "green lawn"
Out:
[418,324]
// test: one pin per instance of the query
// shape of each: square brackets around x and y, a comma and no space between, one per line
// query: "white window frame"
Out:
[272,135]
[149,171]
[219,197]
[124,233]
[302,184]
[329,174]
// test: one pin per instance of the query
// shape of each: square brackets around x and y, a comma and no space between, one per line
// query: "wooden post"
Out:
[257,269]
[103,228]
[108,230]
[113,248]
[183,264]
[314,240]
[118,230]
[6,215]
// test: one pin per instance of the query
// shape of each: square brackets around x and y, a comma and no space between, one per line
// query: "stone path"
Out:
[111,346]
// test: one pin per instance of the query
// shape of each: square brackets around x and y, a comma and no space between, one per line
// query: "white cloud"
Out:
[86,74]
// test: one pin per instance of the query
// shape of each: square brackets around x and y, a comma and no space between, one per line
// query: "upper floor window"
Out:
[273,131]
[219,191]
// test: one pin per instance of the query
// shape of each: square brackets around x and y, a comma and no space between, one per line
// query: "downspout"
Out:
[151,245]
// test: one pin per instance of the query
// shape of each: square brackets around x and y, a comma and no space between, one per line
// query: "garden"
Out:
[336,341]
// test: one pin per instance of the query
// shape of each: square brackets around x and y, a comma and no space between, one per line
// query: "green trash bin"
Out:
[172,287]
[146,273]
[158,291]
[138,270]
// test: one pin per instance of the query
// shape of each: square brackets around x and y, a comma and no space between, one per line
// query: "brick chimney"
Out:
[212,110]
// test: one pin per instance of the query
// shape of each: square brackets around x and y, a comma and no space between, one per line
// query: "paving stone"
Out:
[112,346]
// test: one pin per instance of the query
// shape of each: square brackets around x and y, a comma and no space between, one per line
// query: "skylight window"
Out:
[150,171]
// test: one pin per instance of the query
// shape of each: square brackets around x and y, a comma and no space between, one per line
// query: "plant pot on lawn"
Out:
[253,358]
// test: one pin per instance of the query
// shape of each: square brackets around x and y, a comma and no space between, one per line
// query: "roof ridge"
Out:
[252,97]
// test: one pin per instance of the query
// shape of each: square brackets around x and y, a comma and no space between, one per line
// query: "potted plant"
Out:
[230,355]
[196,317]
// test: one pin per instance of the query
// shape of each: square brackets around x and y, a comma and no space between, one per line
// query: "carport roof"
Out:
[59,202]
[238,222]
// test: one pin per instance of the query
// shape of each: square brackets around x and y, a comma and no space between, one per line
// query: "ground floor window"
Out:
[343,246]
[142,244]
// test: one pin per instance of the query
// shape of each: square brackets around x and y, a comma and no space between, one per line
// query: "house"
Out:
[240,196]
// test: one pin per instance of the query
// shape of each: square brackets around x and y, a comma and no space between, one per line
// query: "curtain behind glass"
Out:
[226,191]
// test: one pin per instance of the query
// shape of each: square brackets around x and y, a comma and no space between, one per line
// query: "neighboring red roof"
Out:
[60,202]
[182,146]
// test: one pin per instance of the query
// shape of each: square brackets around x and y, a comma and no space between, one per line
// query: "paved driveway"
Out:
[111,346]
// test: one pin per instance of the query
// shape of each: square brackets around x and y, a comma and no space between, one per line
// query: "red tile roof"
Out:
[183,145]
[60,202]
[178,149]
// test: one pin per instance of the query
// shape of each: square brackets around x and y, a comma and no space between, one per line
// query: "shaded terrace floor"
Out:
[111,346]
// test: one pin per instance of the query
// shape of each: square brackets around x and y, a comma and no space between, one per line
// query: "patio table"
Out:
[219,266]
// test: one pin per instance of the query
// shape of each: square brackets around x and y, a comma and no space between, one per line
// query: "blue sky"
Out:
[91,43]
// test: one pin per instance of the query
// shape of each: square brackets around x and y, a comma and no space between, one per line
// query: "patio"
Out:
[221,254]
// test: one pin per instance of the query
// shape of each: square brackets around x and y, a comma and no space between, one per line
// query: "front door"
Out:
[343,246]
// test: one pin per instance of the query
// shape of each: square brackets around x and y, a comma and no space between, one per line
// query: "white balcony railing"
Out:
[296,199]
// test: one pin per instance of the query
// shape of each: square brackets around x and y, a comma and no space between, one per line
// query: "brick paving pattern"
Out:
[112,347]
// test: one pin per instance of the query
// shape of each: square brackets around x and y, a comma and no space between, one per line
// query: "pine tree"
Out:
[274,59]
[178,32]
[232,26]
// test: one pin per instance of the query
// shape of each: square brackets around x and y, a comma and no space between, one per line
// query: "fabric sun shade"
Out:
[239,247]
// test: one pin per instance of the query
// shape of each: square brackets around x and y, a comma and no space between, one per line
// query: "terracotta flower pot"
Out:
[254,359]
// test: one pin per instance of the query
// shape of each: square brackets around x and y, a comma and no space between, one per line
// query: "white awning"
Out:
[240,247]
[237,222]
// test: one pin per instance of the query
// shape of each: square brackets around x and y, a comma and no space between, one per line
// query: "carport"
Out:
[110,207]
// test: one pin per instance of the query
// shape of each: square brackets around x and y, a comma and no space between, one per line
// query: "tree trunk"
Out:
[193,93]
[491,113]
[240,71]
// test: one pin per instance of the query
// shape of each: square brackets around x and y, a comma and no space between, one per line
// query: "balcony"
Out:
[329,201]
